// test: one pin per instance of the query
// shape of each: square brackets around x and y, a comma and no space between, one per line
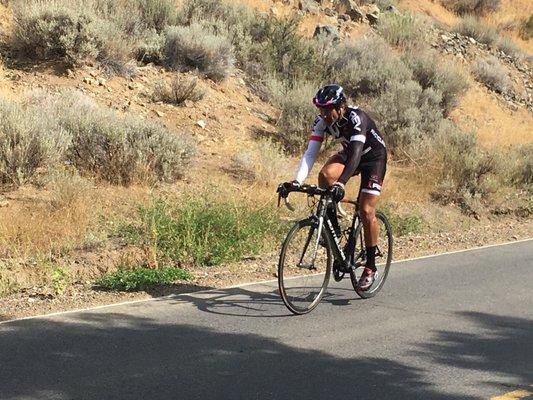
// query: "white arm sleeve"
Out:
[308,160]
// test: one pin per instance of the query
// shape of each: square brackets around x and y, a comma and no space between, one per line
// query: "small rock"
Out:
[201,123]
[326,31]
[330,12]
[344,18]
[445,38]
[160,114]
[472,40]
[131,86]
[93,74]
[70,74]
[373,18]
[88,80]
[109,89]
[307,6]
[102,82]
[4,203]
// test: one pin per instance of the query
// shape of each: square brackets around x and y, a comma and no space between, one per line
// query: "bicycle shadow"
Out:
[254,301]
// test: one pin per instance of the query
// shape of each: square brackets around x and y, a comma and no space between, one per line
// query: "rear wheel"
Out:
[383,257]
[304,267]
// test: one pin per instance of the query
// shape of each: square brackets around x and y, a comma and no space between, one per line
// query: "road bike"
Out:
[318,244]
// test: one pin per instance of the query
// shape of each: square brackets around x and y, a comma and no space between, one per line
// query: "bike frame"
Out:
[346,254]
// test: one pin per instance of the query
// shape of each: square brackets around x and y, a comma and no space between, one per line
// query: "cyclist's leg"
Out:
[332,170]
[372,175]
[371,181]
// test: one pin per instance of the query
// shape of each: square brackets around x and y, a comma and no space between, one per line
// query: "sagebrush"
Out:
[190,48]
[47,130]
[472,7]
[492,73]
[180,89]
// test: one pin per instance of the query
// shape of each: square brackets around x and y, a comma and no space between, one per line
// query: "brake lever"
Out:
[289,205]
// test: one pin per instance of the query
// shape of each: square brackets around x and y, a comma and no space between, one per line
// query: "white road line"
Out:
[237,286]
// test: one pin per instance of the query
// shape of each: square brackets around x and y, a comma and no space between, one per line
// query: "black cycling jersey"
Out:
[355,125]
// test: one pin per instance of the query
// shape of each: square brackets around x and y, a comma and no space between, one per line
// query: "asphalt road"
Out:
[455,326]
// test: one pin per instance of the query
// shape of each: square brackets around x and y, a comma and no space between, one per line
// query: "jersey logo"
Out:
[377,137]
[356,120]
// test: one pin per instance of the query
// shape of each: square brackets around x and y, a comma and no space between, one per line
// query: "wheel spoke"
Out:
[383,258]
[303,273]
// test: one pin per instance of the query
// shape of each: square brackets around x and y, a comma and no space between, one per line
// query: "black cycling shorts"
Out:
[372,174]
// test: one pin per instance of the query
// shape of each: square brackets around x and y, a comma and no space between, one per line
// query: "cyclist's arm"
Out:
[353,162]
[309,157]
[357,141]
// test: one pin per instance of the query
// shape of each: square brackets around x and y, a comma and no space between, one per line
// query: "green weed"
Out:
[403,224]
[141,278]
[199,232]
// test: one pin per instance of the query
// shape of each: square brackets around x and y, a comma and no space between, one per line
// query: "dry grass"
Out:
[43,230]
[262,163]
[45,223]
[494,122]
[432,9]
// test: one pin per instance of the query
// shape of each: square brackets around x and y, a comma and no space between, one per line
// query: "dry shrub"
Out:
[120,150]
[29,140]
[472,7]
[367,67]
[477,29]
[80,32]
[402,30]
[149,48]
[382,4]
[297,113]
[509,47]
[407,115]
[520,169]
[55,30]
[180,89]
[264,162]
[465,172]
[189,48]
[492,74]
[526,28]
[430,71]
[68,190]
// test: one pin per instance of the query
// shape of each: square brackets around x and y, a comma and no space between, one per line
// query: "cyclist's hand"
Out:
[285,188]
[337,191]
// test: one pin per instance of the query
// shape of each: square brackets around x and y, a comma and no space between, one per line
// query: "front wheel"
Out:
[383,257]
[304,266]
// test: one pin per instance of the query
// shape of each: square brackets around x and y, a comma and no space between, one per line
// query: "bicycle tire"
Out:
[293,279]
[385,246]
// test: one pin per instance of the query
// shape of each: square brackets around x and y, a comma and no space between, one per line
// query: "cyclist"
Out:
[363,151]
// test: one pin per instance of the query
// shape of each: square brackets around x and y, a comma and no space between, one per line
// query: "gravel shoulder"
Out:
[32,302]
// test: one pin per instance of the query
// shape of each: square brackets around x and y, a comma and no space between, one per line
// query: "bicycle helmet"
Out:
[329,95]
